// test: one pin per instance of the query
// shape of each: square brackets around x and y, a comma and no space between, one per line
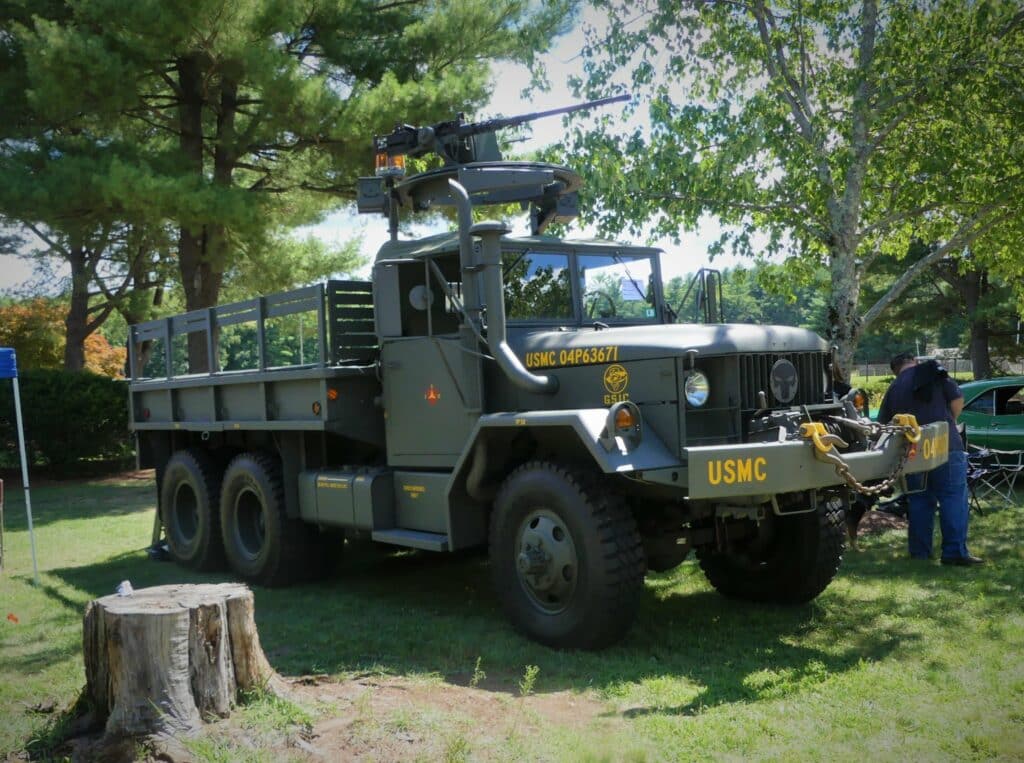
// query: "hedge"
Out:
[70,417]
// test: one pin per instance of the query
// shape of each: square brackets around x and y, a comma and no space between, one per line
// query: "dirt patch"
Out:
[879,521]
[393,718]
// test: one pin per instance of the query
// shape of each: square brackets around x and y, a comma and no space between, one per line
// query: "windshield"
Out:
[616,286]
[537,285]
[610,286]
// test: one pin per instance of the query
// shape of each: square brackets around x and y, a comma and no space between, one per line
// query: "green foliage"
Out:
[833,132]
[288,263]
[760,295]
[70,418]
[250,115]
[529,680]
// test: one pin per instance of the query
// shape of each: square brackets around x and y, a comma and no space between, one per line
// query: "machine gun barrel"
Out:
[500,123]
[416,141]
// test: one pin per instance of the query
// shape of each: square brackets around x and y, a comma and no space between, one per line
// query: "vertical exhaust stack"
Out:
[489,267]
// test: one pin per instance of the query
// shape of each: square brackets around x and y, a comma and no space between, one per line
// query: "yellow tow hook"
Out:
[824,442]
[911,429]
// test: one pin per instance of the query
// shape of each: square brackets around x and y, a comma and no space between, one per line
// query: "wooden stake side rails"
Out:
[162,660]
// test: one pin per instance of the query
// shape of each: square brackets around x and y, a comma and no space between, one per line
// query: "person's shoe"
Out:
[964,561]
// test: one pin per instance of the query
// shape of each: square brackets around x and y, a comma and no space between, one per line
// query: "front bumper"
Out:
[764,469]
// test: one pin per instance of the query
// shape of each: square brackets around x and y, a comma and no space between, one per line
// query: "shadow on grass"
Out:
[415,613]
[58,502]
[419,613]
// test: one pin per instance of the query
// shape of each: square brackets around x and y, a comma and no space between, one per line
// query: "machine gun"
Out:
[456,142]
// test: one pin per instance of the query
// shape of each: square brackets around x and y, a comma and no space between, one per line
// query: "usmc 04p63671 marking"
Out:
[577,356]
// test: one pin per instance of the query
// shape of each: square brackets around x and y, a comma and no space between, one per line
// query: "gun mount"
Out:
[471,156]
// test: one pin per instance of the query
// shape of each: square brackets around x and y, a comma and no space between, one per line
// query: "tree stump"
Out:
[161,660]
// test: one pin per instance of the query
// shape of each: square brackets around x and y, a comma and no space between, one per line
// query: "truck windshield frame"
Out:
[579,287]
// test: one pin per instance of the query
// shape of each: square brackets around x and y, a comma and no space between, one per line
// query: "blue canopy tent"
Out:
[9,370]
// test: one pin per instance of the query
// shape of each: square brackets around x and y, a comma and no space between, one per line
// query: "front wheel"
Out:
[566,558]
[792,560]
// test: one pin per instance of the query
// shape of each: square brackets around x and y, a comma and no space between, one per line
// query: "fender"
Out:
[470,493]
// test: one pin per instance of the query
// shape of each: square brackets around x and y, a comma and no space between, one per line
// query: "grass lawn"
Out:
[895,661]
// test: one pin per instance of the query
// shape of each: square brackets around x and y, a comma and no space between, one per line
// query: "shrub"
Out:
[70,417]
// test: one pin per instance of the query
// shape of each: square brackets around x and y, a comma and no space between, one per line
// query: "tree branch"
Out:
[964,236]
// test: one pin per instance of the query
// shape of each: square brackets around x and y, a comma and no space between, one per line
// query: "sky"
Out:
[510,81]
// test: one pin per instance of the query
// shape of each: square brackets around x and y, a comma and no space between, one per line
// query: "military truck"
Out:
[529,394]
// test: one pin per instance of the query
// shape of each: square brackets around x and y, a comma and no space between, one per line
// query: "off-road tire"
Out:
[609,568]
[263,545]
[799,564]
[190,510]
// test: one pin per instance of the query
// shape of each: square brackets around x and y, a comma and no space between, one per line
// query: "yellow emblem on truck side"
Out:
[616,379]
[734,471]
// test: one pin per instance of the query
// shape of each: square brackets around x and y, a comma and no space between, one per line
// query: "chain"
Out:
[825,450]
[843,470]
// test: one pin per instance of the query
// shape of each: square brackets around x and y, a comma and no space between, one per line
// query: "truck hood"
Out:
[639,342]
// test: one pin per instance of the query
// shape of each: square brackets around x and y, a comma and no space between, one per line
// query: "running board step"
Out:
[412,539]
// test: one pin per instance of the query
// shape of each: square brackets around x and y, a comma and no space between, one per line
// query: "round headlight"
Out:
[697,389]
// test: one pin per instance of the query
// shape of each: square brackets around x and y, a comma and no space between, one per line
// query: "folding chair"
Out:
[980,475]
[992,474]
[1009,464]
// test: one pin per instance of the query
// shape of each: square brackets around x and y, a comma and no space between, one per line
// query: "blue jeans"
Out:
[946,487]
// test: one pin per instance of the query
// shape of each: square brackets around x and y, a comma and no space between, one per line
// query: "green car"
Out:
[994,412]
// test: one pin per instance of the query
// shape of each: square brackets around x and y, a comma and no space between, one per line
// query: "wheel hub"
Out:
[546,561]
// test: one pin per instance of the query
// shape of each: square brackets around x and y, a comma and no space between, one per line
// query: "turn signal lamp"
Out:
[624,419]
[622,427]
[860,401]
[390,166]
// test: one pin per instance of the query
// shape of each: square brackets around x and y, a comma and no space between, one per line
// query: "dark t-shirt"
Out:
[901,397]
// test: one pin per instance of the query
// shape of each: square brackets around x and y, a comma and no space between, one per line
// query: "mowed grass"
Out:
[895,661]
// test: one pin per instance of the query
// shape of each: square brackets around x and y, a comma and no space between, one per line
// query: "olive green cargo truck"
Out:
[528,394]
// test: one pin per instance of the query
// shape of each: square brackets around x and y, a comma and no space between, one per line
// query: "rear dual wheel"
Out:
[263,544]
[189,505]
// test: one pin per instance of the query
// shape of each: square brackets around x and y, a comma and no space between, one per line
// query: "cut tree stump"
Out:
[162,660]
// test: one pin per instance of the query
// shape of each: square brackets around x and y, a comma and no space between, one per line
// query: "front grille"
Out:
[755,376]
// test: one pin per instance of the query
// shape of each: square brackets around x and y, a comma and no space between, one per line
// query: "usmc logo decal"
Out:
[616,379]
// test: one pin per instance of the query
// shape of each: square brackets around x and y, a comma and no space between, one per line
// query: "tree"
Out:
[838,130]
[251,108]
[35,329]
[958,302]
[55,187]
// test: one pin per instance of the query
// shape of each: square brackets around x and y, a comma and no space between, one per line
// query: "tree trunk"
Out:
[161,660]
[973,288]
[77,321]
[201,272]
[844,324]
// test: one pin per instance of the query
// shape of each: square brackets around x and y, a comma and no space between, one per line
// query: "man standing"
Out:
[927,391]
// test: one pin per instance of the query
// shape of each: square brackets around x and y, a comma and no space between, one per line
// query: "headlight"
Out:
[696,389]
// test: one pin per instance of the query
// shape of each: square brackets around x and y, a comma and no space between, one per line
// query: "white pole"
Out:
[24,479]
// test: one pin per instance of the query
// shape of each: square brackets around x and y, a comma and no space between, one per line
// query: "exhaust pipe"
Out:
[489,267]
